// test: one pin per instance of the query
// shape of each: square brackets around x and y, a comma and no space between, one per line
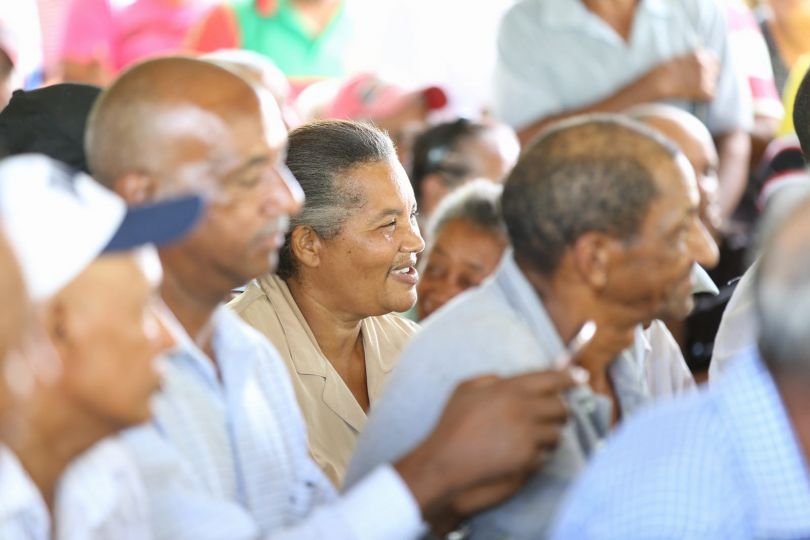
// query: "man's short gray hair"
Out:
[586,174]
[477,202]
[319,155]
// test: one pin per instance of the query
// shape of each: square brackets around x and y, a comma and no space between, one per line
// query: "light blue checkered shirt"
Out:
[718,464]
[226,457]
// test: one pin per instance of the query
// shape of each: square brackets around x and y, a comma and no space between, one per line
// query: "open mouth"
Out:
[406,274]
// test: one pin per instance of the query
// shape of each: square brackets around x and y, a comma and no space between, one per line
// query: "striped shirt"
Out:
[226,456]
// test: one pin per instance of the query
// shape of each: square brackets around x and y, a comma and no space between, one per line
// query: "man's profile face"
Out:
[109,344]
[655,270]
[250,193]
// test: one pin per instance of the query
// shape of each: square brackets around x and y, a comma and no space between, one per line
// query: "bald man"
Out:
[226,456]
[695,141]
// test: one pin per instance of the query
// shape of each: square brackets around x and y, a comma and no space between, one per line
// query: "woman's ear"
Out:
[306,246]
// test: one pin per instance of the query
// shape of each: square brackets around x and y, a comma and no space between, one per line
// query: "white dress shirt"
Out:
[99,497]
[226,456]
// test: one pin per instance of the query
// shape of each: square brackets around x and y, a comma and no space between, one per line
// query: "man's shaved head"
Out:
[164,112]
[593,173]
[696,143]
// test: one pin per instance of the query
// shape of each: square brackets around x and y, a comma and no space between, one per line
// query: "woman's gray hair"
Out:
[319,155]
[478,202]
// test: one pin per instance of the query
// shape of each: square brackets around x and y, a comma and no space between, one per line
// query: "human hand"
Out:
[692,76]
[493,433]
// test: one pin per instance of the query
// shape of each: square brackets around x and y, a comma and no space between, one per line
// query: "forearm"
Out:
[734,150]
[643,90]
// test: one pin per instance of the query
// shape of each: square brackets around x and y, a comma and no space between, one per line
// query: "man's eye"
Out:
[249,182]
[391,224]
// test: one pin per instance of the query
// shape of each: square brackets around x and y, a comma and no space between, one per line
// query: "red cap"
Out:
[367,97]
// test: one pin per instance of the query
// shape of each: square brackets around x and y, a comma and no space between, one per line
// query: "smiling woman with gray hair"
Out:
[347,263]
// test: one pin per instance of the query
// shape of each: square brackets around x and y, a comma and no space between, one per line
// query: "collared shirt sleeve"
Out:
[380,507]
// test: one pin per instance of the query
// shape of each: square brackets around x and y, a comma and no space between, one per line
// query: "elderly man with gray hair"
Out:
[602,214]
[730,462]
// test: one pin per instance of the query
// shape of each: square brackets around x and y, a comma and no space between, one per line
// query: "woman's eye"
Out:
[391,224]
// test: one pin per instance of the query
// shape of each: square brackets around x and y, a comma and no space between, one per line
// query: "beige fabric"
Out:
[333,417]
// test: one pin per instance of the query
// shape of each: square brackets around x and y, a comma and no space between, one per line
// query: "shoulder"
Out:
[250,296]
[661,475]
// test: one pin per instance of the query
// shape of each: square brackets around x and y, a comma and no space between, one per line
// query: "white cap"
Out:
[58,222]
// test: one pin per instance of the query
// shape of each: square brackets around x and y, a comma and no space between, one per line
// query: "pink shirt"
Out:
[120,33]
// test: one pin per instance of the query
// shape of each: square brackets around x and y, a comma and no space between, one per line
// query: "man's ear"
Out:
[593,257]
[54,316]
[136,188]
[306,246]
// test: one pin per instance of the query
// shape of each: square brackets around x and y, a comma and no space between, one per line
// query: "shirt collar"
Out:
[19,497]
[222,324]
[524,299]
[765,443]
[574,13]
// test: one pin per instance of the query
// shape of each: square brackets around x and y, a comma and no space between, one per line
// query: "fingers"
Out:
[543,382]
[479,382]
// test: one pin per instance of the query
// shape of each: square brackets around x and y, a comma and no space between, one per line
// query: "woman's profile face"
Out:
[369,267]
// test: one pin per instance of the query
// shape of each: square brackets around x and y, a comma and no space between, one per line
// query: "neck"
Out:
[336,332]
[192,306]
[616,13]
[55,433]
[560,303]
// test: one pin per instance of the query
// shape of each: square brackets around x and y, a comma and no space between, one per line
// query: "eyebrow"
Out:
[253,162]
[389,212]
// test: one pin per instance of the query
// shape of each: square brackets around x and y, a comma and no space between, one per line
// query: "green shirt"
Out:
[283,38]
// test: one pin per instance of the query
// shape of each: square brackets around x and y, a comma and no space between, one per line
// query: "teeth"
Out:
[403,270]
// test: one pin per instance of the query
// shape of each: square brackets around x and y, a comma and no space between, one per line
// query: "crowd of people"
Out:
[252,293]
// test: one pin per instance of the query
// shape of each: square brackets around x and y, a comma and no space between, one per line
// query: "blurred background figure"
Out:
[306,39]
[451,43]
[753,64]
[403,114]
[102,37]
[259,69]
[468,238]
[48,121]
[559,58]
[785,26]
[450,154]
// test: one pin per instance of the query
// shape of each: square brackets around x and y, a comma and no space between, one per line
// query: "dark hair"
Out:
[318,154]
[801,115]
[432,147]
[592,173]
